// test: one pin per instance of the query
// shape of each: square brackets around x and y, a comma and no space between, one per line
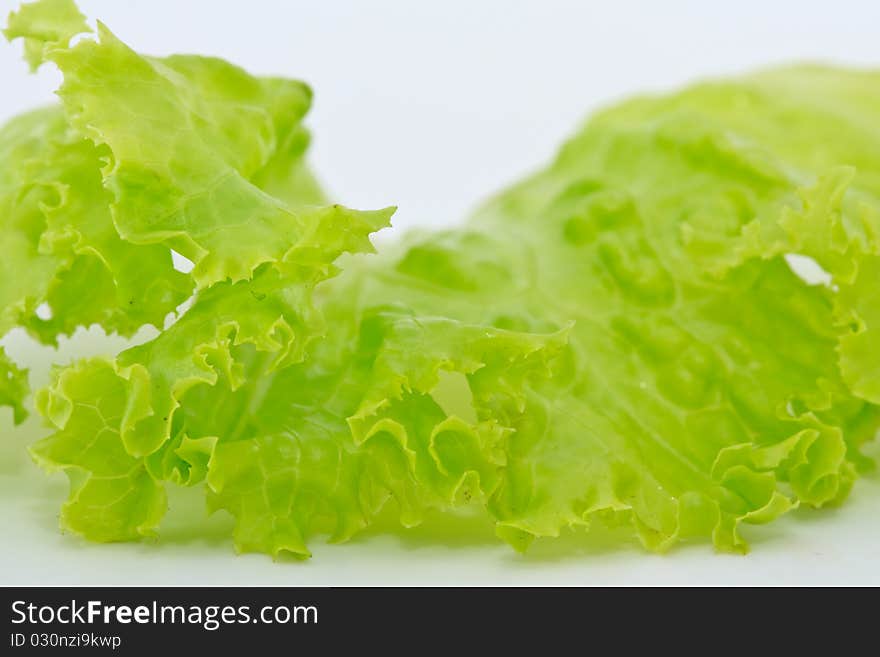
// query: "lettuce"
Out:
[618,339]
[144,156]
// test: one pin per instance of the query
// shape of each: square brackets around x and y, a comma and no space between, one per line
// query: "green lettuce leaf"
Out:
[45,25]
[186,136]
[618,339]
[179,153]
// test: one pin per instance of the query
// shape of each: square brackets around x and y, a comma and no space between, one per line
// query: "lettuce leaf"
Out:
[45,25]
[618,339]
[144,156]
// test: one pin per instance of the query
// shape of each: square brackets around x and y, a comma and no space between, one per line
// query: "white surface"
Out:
[431,108]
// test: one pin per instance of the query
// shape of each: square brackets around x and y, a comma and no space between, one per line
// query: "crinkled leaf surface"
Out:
[44,25]
[144,155]
[617,339]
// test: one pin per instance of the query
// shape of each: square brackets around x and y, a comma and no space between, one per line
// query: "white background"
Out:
[431,107]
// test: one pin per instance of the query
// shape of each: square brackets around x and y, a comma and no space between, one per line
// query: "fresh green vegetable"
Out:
[145,155]
[617,339]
